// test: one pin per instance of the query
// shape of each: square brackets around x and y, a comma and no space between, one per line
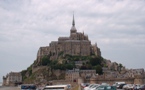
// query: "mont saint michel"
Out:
[73,42]
[73,60]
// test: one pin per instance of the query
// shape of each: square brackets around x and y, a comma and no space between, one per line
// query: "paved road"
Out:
[9,88]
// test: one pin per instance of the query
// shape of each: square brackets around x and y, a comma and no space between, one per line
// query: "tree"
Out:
[95,61]
[120,66]
[69,66]
[23,74]
[45,60]
[88,66]
[99,69]
[83,67]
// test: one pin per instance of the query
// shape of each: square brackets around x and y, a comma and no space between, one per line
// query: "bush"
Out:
[99,69]
[96,61]
[45,60]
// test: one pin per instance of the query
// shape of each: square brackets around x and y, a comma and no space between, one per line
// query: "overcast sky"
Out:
[118,27]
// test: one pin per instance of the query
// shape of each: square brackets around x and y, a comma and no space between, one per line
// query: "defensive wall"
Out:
[113,80]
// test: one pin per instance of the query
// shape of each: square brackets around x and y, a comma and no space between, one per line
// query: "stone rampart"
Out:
[63,82]
[113,80]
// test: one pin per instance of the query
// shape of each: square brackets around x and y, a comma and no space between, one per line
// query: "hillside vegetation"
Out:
[63,63]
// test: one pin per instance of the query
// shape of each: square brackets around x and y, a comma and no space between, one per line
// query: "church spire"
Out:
[73,29]
[73,22]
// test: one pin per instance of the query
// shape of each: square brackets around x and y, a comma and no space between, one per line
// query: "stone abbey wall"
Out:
[77,44]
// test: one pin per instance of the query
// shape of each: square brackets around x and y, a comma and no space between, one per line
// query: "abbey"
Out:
[77,44]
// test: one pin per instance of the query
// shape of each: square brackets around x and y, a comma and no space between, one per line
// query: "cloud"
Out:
[25,25]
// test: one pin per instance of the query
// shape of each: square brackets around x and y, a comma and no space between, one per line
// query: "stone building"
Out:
[135,72]
[12,79]
[73,75]
[130,76]
[77,44]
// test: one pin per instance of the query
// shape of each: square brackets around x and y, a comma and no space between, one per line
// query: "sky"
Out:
[117,26]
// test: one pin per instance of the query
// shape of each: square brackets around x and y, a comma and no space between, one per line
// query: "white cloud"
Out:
[117,27]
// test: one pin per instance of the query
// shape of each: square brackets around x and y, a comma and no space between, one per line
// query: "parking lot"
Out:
[9,88]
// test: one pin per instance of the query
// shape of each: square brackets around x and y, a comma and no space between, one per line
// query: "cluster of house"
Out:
[15,78]
[87,74]
[115,71]
[12,79]
[130,73]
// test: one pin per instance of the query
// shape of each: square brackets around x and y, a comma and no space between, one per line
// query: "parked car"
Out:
[83,85]
[121,86]
[136,87]
[88,87]
[124,87]
[128,87]
[94,87]
[104,84]
[110,88]
[69,85]
[117,84]
[142,87]
[102,87]
[131,86]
